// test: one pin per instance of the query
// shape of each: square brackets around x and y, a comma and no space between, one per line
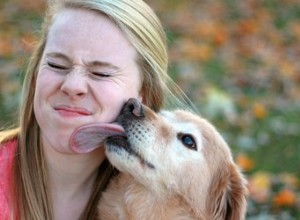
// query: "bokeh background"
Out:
[237,60]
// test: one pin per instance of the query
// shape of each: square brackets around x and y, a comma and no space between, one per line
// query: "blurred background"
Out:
[238,61]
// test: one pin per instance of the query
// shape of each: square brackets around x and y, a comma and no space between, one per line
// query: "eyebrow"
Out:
[90,63]
[58,55]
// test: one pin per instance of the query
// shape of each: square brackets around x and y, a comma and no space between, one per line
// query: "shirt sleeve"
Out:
[7,152]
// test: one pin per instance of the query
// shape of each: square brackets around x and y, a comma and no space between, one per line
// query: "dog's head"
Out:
[179,154]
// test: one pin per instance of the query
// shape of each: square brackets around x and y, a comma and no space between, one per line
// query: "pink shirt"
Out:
[7,152]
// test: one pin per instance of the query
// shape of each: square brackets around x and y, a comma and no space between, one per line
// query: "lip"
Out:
[68,111]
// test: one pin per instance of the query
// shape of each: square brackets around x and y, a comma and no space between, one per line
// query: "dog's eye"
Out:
[187,140]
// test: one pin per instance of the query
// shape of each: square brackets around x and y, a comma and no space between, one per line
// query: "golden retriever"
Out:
[174,165]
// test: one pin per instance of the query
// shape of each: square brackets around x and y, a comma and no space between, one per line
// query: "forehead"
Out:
[82,28]
[181,120]
[178,116]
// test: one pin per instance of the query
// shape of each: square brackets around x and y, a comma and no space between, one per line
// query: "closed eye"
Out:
[56,66]
[187,140]
[96,74]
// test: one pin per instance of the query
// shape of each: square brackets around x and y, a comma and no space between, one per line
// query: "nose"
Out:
[134,107]
[74,84]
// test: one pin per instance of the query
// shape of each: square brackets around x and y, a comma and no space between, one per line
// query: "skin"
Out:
[86,74]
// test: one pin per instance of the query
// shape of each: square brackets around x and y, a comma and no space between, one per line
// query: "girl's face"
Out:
[87,72]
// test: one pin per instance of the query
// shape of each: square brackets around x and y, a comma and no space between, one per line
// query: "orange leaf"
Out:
[245,162]
[197,51]
[259,111]
[220,38]
[6,48]
[247,27]
[285,197]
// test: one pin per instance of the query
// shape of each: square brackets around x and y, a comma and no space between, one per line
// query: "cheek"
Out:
[134,85]
[111,96]
[46,85]
[40,90]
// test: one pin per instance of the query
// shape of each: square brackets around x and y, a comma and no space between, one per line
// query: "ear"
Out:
[228,194]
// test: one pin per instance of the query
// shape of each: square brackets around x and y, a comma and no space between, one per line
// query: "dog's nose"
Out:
[135,107]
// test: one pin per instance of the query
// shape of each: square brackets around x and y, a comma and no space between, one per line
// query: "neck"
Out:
[71,174]
[72,178]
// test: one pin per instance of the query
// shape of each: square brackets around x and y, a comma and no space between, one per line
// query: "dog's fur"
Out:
[164,176]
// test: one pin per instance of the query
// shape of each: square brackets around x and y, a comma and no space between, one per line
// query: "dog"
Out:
[173,165]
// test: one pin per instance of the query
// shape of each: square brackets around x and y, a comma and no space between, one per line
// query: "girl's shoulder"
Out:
[7,153]
[7,150]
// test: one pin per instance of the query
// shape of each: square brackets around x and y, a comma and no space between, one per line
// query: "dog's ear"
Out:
[228,195]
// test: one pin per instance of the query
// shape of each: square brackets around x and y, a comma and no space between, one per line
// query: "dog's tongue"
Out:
[91,136]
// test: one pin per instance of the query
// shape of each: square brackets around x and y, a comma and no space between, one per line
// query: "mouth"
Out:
[72,111]
[121,143]
[131,118]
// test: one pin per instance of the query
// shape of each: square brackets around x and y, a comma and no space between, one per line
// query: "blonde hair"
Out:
[31,198]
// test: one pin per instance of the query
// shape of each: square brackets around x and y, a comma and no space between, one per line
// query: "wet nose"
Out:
[135,107]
